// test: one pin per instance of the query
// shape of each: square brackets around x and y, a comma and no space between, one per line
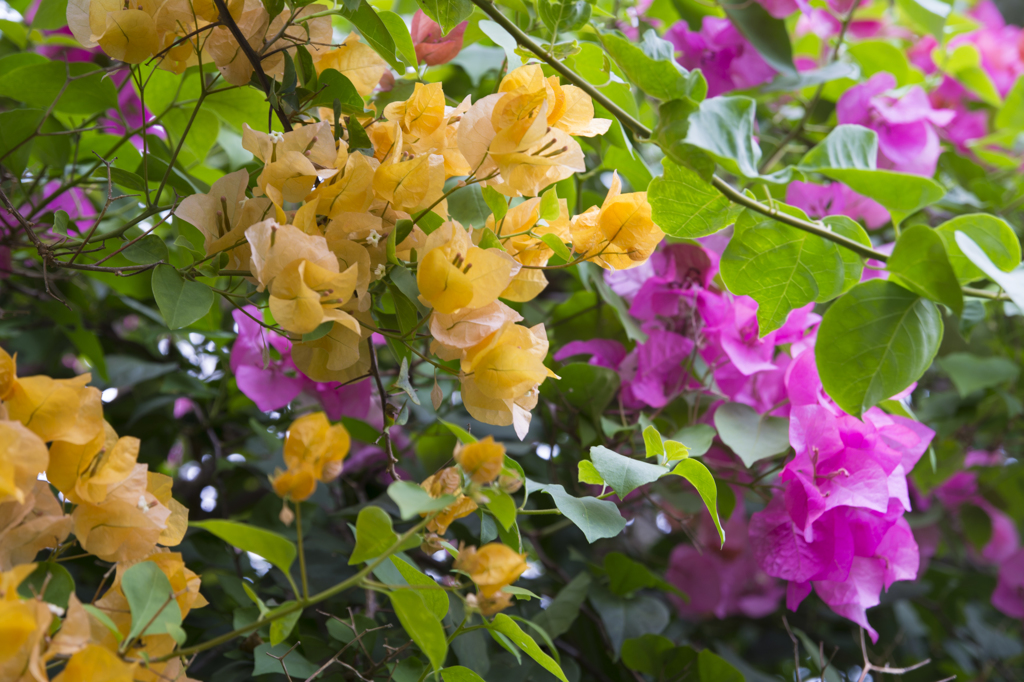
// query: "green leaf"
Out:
[510,629]
[405,573]
[459,673]
[1010,116]
[658,656]
[374,535]
[624,474]
[930,15]
[685,206]
[273,7]
[549,208]
[714,668]
[1011,282]
[661,78]
[464,436]
[805,79]
[278,550]
[52,14]
[422,625]
[149,249]
[588,388]
[874,342]
[496,201]
[696,438]
[920,264]
[373,30]
[654,445]
[334,85]
[200,136]
[995,237]
[562,16]
[321,331]
[503,507]
[413,500]
[588,473]
[701,479]
[596,518]
[298,665]
[563,610]
[780,267]
[751,436]
[970,373]
[102,617]
[16,127]
[626,576]
[151,600]
[127,179]
[556,245]
[282,627]
[59,584]
[847,146]
[765,32]
[39,85]
[724,127]
[447,13]
[181,301]
[626,618]
[629,325]
[400,34]
[853,263]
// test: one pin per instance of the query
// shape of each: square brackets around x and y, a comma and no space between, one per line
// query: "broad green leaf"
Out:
[662,79]
[654,445]
[200,135]
[299,667]
[626,618]
[588,388]
[151,600]
[970,373]
[853,263]
[497,202]
[39,85]
[59,584]
[1010,116]
[658,656]
[765,32]
[901,193]
[701,479]
[629,324]
[334,85]
[1011,282]
[278,550]
[874,56]
[282,627]
[422,625]
[127,179]
[364,17]
[562,16]
[624,474]
[16,127]
[714,668]
[374,535]
[435,598]
[563,610]
[464,436]
[684,205]
[724,128]
[458,673]
[847,146]
[626,576]
[920,264]
[503,507]
[556,245]
[400,34]
[751,436]
[588,473]
[511,629]
[596,518]
[149,249]
[52,14]
[995,237]
[930,15]
[696,438]
[412,500]
[874,342]
[467,205]
[780,267]
[964,64]
[181,301]
[675,451]
[447,13]
[106,620]
[549,208]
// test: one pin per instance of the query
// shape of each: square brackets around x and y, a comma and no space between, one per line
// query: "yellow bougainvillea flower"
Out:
[293,161]
[524,223]
[350,191]
[492,567]
[36,524]
[23,456]
[454,334]
[423,114]
[314,34]
[454,274]
[132,520]
[75,631]
[57,409]
[8,374]
[23,625]
[222,46]
[482,461]
[97,664]
[620,234]
[304,295]
[88,472]
[126,30]
[275,247]
[412,185]
[339,355]
[501,376]
[313,451]
[569,108]
[357,61]
[447,481]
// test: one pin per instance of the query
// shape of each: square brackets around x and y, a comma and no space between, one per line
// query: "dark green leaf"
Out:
[16,127]
[422,625]
[562,16]
[768,34]
[685,206]
[59,584]
[596,518]
[626,576]
[658,656]
[447,13]
[624,474]
[149,249]
[563,610]
[751,436]
[853,263]
[181,301]
[277,550]
[971,373]
[334,85]
[151,600]
[400,35]
[714,668]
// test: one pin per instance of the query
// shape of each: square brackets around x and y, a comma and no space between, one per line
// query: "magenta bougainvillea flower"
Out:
[727,59]
[1008,596]
[836,198]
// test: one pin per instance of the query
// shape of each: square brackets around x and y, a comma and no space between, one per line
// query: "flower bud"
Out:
[482,461]
[432,46]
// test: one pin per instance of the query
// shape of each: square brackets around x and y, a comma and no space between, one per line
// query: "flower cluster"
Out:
[492,568]
[313,451]
[53,434]
[360,215]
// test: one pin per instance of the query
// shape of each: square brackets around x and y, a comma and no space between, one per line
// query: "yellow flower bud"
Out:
[491,567]
[482,461]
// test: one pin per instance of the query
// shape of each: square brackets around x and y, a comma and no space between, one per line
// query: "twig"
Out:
[375,372]
[796,649]
[869,666]
[280,659]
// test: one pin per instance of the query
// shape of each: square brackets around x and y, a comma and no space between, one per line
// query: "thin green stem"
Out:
[302,550]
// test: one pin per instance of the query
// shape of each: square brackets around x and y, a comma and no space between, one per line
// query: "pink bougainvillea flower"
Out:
[907,138]
[602,352]
[1008,596]
[727,59]
[432,46]
[836,198]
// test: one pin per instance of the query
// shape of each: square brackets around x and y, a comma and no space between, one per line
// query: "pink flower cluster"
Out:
[262,364]
[727,59]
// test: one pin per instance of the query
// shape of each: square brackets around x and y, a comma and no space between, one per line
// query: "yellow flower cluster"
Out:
[492,568]
[315,234]
[313,451]
[52,432]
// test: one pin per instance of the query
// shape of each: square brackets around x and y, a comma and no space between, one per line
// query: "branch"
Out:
[375,372]
[869,666]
